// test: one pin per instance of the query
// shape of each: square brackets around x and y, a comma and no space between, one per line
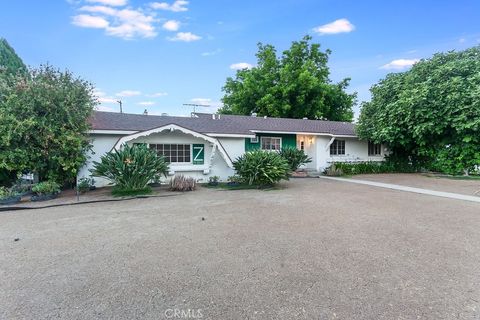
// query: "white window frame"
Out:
[177,163]
[254,140]
[335,143]
[374,147]
[280,143]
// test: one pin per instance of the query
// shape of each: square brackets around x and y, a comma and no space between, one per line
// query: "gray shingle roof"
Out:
[226,124]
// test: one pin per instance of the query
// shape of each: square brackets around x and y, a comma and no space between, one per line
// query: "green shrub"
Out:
[234,179]
[182,183]
[122,192]
[131,168]
[352,168]
[213,180]
[46,187]
[6,193]
[85,184]
[261,168]
[295,157]
[333,171]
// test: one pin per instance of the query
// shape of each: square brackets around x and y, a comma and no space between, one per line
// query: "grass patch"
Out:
[458,177]
[241,186]
[118,192]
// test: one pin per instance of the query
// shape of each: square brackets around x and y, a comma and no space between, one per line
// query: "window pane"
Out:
[333,148]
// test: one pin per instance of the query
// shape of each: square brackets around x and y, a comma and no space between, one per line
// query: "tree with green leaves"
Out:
[44,123]
[10,62]
[431,113]
[294,85]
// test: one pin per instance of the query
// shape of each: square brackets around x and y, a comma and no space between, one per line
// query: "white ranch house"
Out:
[206,145]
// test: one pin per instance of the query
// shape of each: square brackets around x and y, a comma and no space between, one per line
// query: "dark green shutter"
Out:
[198,154]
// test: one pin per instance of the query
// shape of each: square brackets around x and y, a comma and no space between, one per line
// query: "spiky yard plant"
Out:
[131,168]
[262,168]
[182,183]
[295,157]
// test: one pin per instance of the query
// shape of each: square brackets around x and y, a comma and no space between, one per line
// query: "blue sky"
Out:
[158,55]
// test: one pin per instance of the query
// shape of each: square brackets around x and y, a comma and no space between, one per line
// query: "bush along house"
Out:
[206,145]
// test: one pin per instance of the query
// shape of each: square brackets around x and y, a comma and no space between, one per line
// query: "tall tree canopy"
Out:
[10,62]
[44,123]
[294,85]
[429,113]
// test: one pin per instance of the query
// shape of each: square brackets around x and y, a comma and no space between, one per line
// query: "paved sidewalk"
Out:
[408,189]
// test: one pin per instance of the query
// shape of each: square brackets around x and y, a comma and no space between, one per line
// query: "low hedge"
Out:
[352,168]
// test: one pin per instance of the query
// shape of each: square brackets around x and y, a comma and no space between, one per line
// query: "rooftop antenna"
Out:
[194,105]
[120,103]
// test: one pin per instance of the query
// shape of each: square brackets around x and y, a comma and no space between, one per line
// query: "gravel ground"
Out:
[437,183]
[317,249]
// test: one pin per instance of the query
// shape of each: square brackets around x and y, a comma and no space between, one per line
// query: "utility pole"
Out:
[120,103]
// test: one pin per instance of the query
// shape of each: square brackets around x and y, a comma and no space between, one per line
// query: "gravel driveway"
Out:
[316,249]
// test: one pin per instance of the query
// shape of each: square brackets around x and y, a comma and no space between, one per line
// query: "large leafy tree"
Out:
[430,113]
[10,62]
[294,85]
[44,123]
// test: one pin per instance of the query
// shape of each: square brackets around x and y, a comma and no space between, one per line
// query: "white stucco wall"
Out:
[315,147]
[310,150]
[211,167]
[355,151]
[101,144]
[235,147]
[215,166]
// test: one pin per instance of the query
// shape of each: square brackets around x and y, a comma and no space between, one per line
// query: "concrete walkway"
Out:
[408,189]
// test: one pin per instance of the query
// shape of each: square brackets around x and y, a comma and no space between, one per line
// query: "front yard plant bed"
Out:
[44,191]
[44,197]
[10,200]
[9,196]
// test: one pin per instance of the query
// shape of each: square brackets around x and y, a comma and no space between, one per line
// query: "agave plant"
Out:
[295,157]
[262,168]
[131,168]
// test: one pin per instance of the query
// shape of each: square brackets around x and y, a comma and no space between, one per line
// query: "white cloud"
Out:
[107,100]
[105,108]
[103,98]
[125,23]
[240,66]
[171,25]
[176,6]
[337,26]
[399,64]
[114,3]
[211,53]
[212,106]
[128,93]
[157,94]
[185,36]
[133,23]
[203,101]
[462,40]
[87,21]
[146,103]
[99,9]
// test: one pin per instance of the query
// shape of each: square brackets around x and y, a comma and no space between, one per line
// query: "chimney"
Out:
[145,112]
[213,116]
